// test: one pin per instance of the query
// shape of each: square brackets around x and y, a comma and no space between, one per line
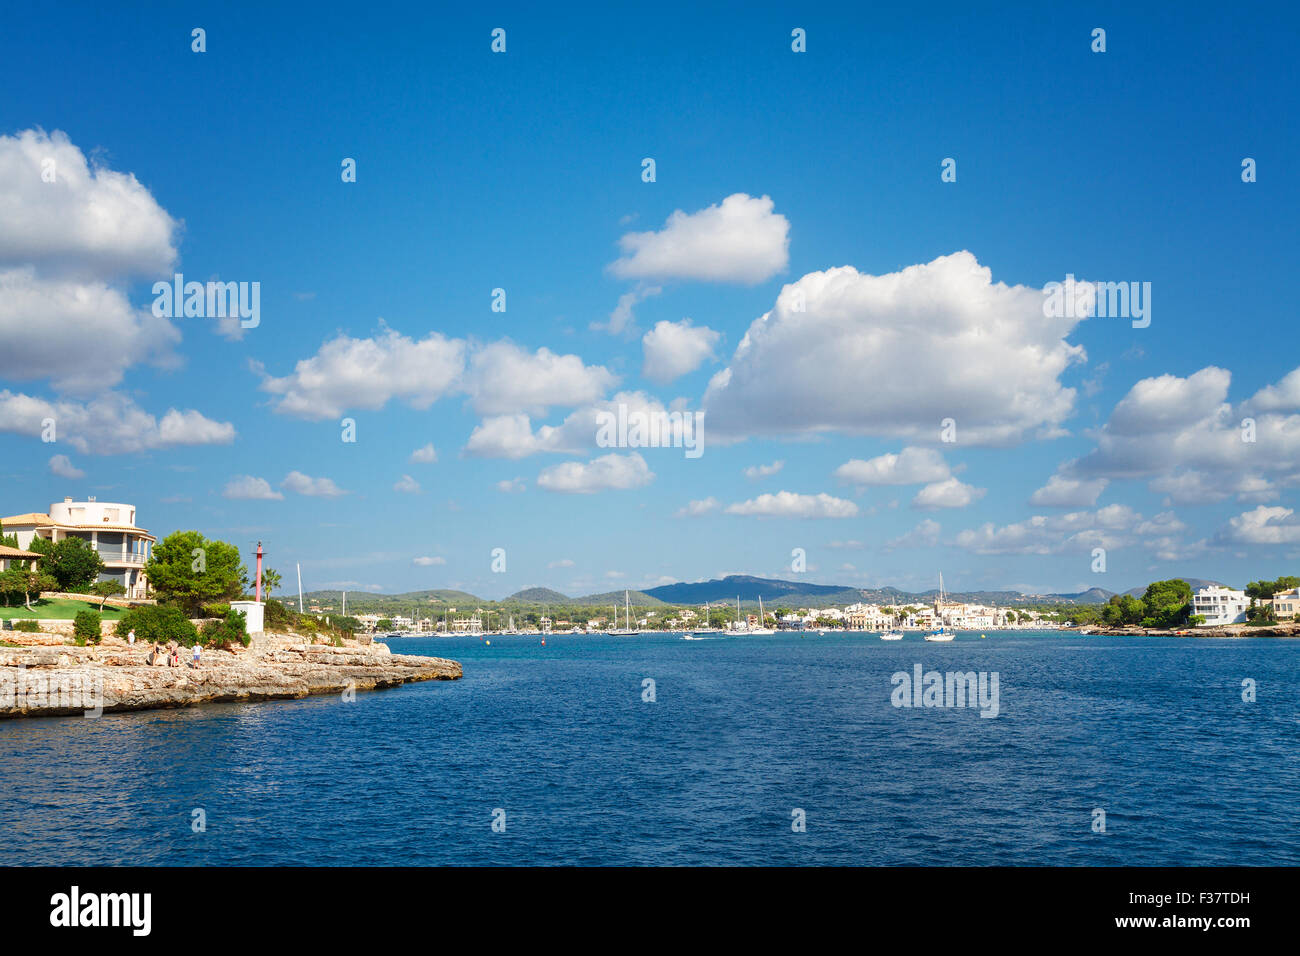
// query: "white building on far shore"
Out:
[1220,605]
[1286,604]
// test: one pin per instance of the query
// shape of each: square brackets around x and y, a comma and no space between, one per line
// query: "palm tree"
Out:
[270,580]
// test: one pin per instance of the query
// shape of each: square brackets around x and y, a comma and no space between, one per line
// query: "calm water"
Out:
[1154,731]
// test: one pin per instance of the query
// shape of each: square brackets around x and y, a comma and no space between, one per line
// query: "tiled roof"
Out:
[32,517]
[8,552]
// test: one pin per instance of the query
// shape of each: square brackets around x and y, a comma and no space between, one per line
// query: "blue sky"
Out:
[523,170]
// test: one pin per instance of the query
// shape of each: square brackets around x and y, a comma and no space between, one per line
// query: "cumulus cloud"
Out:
[895,355]
[561,563]
[606,473]
[1192,444]
[111,424]
[1264,525]
[67,250]
[949,493]
[426,562]
[505,379]
[302,484]
[754,472]
[673,349]
[81,335]
[696,508]
[250,488]
[90,222]
[512,486]
[1063,492]
[424,456]
[348,373]
[513,436]
[407,485]
[788,504]
[62,466]
[1113,526]
[911,466]
[742,240]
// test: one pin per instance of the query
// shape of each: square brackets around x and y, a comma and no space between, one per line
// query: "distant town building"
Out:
[1220,605]
[110,529]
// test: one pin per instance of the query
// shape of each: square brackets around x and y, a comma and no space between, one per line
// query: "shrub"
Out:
[277,616]
[85,627]
[156,624]
[229,630]
[215,610]
[28,625]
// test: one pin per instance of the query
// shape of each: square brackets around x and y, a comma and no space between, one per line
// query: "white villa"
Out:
[110,528]
[1220,605]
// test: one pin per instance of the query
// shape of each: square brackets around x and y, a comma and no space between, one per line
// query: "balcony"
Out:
[118,556]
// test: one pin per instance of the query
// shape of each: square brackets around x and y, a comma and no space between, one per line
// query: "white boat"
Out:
[761,629]
[707,628]
[941,634]
[626,631]
[894,635]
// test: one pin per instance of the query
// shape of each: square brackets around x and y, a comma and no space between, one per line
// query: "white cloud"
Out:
[696,508]
[1264,525]
[250,488]
[504,379]
[911,466]
[67,249]
[302,484]
[425,562]
[949,493]
[1192,444]
[608,472]
[407,485]
[512,486]
[673,349]
[110,424]
[924,535]
[1063,492]
[741,240]
[348,373]
[1110,527]
[512,436]
[894,355]
[623,319]
[82,335]
[754,472]
[788,504]
[424,456]
[62,466]
[91,221]
[562,563]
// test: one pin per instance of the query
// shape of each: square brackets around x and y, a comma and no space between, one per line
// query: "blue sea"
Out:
[745,738]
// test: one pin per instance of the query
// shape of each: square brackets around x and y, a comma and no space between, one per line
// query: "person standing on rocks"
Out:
[198,655]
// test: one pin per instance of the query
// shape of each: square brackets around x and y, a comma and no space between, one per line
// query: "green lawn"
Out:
[58,608]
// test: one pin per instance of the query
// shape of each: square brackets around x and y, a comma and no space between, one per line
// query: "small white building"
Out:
[1220,605]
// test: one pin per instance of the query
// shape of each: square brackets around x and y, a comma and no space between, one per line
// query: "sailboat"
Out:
[893,634]
[942,633]
[761,628]
[707,628]
[627,612]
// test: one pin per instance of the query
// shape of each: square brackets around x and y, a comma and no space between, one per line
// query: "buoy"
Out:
[489,643]
[543,642]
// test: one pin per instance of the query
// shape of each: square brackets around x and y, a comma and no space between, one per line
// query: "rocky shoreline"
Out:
[1288,629]
[53,680]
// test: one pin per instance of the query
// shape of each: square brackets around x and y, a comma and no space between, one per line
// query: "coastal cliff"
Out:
[50,680]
